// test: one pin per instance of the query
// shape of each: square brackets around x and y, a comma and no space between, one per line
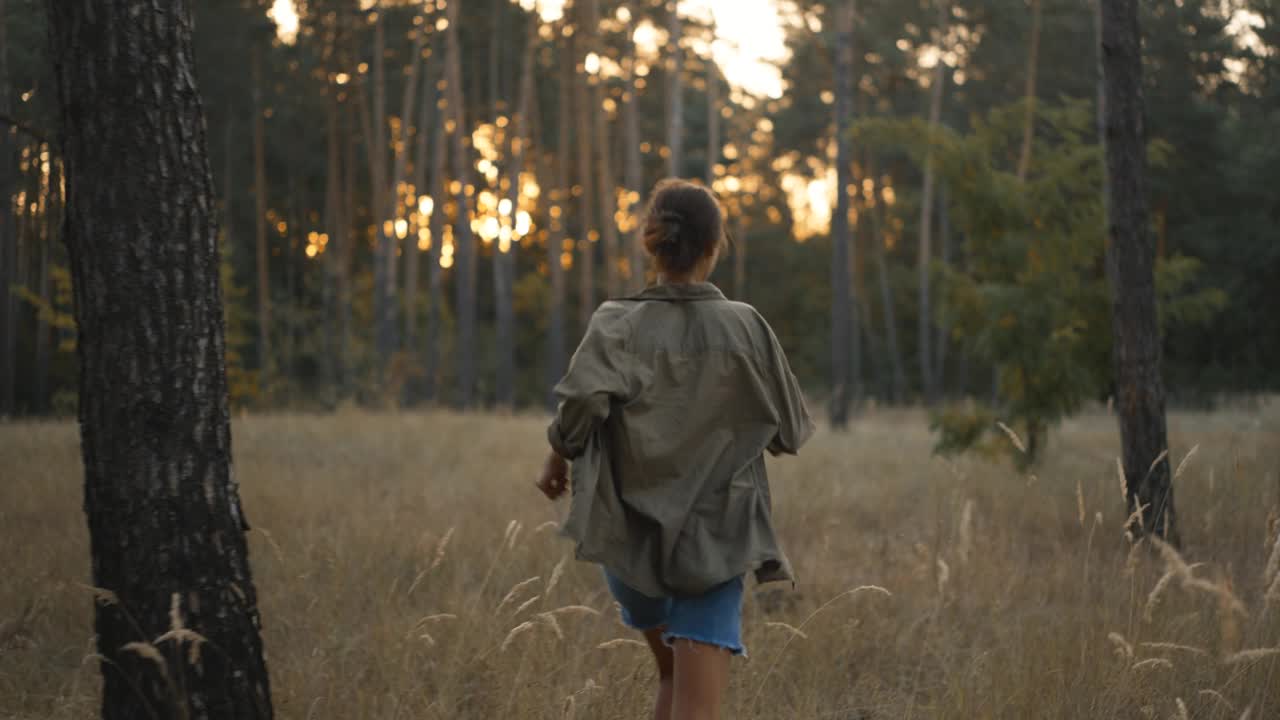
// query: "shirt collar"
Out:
[680,292]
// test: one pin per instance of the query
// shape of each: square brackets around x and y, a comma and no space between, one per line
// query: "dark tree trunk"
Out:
[346,249]
[603,153]
[943,341]
[560,197]
[675,92]
[260,222]
[413,248]
[44,232]
[1033,64]
[465,251]
[841,383]
[505,258]
[8,236]
[434,270]
[165,525]
[634,170]
[587,204]
[332,256]
[892,348]
[1135,332]
[925,330]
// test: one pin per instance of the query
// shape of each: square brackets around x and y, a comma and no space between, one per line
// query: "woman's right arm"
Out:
[599,372]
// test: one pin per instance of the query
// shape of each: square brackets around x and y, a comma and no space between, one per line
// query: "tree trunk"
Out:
[634,170]
[560,198]
[928,384]
[260,223]
[332,255]
[176,620]
[604,165]
[892,348]
[392,208]
[841,383]
[675,92]
[587,205]
[413,249]
[505,386]
[436,272]
[943,340]
[465,251]
[8,237]
[1135,331]
[347,248]
[1033,63]
[44,232]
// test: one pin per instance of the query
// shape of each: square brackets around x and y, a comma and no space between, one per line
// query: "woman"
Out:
[666,411]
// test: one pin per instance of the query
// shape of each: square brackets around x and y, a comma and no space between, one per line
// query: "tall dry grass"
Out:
[408,569]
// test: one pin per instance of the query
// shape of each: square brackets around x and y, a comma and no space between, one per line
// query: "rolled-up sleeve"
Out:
[600,372]
[795,427]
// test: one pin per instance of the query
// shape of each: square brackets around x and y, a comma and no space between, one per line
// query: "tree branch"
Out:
[25,129]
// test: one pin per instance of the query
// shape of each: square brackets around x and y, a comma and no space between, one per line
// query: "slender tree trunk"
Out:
[928,381]
[260,223]
[332,255]
[413,249]
[166,528]
[556,246]
[675,92]
[1033,63]
[380,198]
[1135,331]
[392,209]
[634,170]
[47,215]
[506,257]
[587,205]
[943,340]
[436,272]
[841,383]
[465,250]
[892,348]
[8,236]
[346,247]
[604,164]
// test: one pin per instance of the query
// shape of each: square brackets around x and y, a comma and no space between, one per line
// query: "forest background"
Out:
[421,202]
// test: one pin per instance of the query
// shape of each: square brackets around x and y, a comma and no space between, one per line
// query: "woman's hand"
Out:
[555,476]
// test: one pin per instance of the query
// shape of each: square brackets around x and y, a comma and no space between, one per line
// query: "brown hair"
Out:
[684,226]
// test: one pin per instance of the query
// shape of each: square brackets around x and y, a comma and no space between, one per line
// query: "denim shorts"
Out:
[713,618]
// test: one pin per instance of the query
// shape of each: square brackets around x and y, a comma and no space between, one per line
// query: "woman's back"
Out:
[695,390]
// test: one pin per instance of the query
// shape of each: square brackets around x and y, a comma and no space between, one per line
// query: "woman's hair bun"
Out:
[684,226]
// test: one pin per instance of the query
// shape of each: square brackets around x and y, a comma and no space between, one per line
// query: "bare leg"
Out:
[701,676]
[666,671]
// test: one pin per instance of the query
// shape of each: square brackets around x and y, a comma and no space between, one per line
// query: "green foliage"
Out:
[1030,297]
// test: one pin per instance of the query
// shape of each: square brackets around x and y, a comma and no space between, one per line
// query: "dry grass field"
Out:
[408,569]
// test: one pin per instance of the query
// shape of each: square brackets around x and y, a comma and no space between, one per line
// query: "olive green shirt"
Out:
[666,411]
